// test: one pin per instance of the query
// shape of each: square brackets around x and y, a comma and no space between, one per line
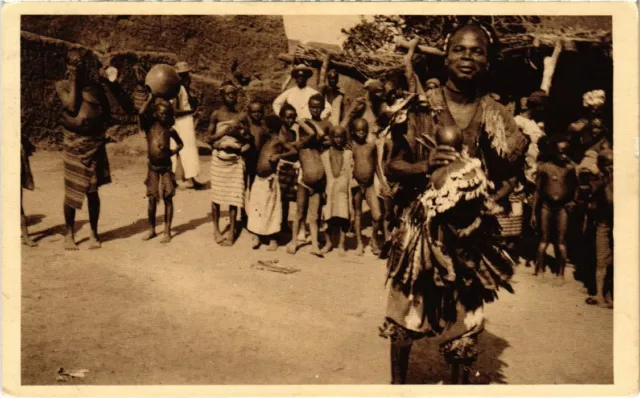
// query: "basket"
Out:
[511,223]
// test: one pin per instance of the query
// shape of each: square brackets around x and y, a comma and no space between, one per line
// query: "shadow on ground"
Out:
[427,365]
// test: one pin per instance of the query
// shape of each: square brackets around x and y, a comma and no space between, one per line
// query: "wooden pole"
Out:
[421,48]
[342,68]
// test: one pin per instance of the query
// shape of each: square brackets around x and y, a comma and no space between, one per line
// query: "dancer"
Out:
[489,133]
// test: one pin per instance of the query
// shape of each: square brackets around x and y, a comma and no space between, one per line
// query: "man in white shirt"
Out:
[298,96]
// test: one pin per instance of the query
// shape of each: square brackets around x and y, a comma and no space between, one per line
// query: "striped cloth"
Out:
[86,167]
[227,179]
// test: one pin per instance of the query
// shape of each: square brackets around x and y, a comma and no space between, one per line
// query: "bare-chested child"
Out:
[365,159]
[229,135]
[264,210]
[556,188]
[259,133]
[312,177]
[313,134]
[156,120]
[338,167]
[287,171]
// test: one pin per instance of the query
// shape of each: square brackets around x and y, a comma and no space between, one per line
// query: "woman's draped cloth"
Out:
[432,268]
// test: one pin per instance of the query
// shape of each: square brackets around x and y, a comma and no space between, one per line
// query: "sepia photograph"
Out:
[317,199]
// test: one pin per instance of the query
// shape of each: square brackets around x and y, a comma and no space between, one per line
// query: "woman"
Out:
[489,133]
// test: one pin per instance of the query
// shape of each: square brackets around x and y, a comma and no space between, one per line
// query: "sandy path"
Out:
[192,312]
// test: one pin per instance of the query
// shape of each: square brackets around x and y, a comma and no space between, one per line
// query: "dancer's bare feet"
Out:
[317,252]
[166,238]
[70,243]
[359,250]
[292,247]
[342,252]
[150,234]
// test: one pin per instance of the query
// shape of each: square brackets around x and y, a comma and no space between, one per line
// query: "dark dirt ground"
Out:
[192,312]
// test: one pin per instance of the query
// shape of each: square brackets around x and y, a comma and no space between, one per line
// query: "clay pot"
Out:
[449,136]
[163,81]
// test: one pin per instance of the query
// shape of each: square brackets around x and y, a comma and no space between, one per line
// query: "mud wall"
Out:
[209,43]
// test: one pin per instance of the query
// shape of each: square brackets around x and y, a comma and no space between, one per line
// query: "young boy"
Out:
[287,171]
[338,167]
[365,157]
[259,134]
[310,184]
[556,187]
[229,135]
[161,182]
[264,208]
[310,187]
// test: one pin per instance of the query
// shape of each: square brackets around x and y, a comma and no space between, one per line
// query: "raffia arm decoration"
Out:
[456,188]
[494,126]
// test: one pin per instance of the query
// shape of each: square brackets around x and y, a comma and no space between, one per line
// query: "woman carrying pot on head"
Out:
[456,152]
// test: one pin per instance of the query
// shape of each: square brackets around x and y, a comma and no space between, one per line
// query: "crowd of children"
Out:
[329,160]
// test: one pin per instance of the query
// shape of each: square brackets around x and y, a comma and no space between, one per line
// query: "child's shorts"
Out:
[161,183]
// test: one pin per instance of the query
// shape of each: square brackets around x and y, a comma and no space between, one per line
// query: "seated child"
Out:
[264,207]
[338,167]
[365,159]
[229,134]
[160,182]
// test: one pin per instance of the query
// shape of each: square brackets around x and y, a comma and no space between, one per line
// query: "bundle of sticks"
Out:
[387,60]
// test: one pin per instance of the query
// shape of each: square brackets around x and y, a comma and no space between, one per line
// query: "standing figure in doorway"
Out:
[185,105]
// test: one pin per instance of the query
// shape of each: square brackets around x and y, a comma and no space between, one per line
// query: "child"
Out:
[229,135]
[365,157]
[310,182]
[260,135]
[287,171]
[161,182]
[313,134]
[338,167]
[26,149]
[556,187]
[264,208]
